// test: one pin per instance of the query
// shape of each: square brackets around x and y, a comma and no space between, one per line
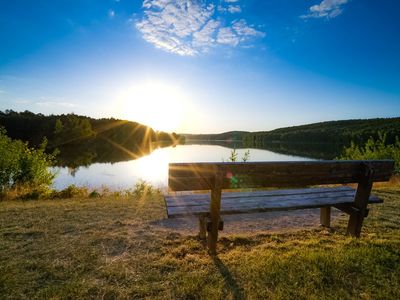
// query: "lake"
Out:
[153,168]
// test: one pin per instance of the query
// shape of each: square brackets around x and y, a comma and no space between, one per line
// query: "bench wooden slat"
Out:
[267,202]
[200,176]
[194,199]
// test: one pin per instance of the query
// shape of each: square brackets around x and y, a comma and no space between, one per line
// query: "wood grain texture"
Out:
[325,216]
[260,201]
[200,176]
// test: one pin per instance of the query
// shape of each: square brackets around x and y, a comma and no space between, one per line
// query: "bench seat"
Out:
[179,205]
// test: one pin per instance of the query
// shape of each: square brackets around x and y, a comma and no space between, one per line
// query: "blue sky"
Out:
[202,66]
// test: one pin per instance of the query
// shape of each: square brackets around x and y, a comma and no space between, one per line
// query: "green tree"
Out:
[21,165]
[9,154]
[58,127]
[72,129]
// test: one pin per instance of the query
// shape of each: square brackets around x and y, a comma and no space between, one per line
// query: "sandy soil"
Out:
[252,223]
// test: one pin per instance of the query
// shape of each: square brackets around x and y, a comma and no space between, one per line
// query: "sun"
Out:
[157,104]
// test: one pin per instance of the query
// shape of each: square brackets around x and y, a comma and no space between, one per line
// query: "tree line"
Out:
[95,140]
[341,133]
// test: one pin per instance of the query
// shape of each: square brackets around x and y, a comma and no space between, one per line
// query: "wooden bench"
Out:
[218,176]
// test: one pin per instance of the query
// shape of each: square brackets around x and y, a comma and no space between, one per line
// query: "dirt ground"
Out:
[255,222]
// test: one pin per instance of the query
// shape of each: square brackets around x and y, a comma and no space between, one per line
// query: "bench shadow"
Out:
[230,282]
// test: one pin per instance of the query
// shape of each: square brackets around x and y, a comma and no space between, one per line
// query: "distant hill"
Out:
[226,136]
[323,140]
[337,132]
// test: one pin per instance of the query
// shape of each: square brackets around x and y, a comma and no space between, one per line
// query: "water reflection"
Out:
[306,149]
[153,167]
[310,150]
[86,154]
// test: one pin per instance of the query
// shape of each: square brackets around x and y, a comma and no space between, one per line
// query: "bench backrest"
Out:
[202,176]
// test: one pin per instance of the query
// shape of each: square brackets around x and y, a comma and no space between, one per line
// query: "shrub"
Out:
[94,194]
[375,149]
[23,166]
[71,191]
[142,188]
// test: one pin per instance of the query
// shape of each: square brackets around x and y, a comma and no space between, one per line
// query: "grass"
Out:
[114,248]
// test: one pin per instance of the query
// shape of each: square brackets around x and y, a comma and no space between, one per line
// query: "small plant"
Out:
[246,155]
[142,188]
[105,191]
[94,194]
[234,156]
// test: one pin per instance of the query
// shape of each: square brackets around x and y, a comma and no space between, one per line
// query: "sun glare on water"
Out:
[154,103]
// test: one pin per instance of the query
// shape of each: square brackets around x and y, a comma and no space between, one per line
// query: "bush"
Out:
[94,194]
[23,166]
[71,191]
[375,149]
[141,189]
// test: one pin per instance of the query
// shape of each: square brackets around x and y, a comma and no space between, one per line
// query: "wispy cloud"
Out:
[192,27]
[21,101]
[326,9]
[228,37]
[54,102]
[234,9]
[230,8]
[111,13]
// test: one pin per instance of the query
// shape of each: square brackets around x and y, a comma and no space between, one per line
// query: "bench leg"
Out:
[202,227]
[213,237]
[325,217]
[215,207]
[361,202]
[355,224]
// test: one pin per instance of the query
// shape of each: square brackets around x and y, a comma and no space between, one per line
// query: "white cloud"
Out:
[191,27]
[205,36]
[326,9]
[111,13]
[53,104]
[243,30]
[228,37]
[234,9]
[21,101]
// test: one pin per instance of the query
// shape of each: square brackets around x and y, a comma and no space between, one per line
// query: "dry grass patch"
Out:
[115,248]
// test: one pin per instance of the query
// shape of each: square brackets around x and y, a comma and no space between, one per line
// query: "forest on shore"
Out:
[81,140]
[341,132]
[323,140]
[338,132]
